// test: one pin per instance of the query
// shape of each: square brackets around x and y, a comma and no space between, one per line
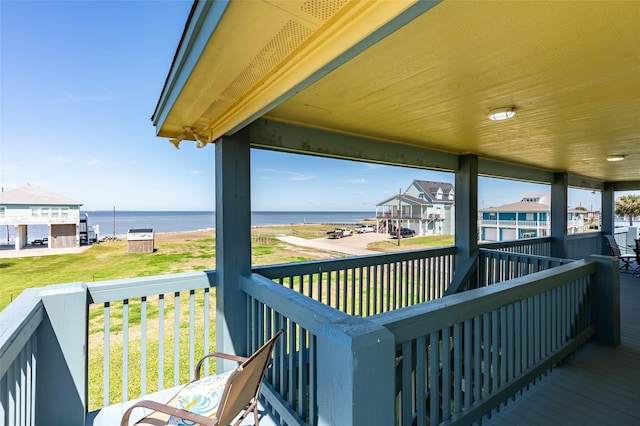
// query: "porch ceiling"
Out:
[424,74]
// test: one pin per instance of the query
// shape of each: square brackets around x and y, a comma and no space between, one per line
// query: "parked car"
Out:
[404,233]
[339,233]
[365,228]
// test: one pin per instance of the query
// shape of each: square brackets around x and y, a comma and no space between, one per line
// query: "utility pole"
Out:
[399,215]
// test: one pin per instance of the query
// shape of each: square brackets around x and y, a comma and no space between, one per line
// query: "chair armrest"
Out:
[222,355]
[167,409]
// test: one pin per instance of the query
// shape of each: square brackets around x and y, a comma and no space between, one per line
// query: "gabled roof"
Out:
[406,199]
[35,195]
[520,206]
[431,188]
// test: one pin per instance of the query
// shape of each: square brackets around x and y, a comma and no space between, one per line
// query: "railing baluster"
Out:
[206,321]
[160,341]
[125,350]
[106,355]
[192,332]
[176,338]
[143,345]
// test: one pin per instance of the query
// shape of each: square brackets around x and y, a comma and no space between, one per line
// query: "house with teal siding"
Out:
[528,218]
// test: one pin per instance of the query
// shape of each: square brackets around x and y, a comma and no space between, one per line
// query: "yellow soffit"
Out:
[233,99]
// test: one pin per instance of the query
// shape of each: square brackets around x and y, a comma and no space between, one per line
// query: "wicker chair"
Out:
[213,400]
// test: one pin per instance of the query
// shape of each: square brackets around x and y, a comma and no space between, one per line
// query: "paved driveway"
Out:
[354,245]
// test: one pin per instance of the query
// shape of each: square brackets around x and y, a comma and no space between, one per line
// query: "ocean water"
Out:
[119,222]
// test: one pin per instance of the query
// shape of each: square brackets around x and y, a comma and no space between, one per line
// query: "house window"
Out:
[64,211]
[34,211]
[529,217]
[2,211]
[45,211]
[55,212]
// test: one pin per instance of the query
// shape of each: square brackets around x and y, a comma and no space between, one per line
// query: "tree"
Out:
[628,205]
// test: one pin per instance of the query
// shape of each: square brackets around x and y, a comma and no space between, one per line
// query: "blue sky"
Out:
[79,81]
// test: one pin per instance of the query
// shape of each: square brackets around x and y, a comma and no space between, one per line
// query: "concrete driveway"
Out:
[354,245]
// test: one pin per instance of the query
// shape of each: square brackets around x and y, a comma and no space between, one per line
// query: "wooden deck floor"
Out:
[595,386]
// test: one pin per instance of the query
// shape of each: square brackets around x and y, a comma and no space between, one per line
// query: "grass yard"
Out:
[175,253]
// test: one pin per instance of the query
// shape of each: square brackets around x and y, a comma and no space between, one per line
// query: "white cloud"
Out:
[300,177]
[62,159]
[95,162]
[359,180]
[196,172]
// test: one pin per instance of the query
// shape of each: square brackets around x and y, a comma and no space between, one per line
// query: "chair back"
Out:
[613,245]
[243,386]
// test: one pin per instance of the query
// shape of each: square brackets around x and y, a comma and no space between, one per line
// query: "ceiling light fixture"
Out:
[502,114]
[617,157]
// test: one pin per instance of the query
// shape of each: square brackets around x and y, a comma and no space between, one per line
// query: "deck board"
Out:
[595,385]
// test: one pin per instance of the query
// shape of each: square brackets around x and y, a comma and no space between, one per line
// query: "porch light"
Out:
[502,114]
[615,157]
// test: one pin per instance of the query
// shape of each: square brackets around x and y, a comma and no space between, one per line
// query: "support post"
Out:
[608,214]
[605,300]
[62,356]
[466,212]
[233,243]
[356,373]
[559,207]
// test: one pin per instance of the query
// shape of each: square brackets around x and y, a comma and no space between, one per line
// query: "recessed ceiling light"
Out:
[502,114]
[615,158]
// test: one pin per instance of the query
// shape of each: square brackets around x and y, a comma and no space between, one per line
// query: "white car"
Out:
[365,228]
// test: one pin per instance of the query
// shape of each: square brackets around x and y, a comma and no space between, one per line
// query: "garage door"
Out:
[509,234]
[63,236]
[490,234]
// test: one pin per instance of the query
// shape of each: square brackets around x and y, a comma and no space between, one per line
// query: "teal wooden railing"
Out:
[368,285]
[460,359]
[534,246]
[322,347]
[175,308]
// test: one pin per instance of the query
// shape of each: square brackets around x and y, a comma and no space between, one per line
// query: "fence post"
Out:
[356,367]
[605,300]
[62,356]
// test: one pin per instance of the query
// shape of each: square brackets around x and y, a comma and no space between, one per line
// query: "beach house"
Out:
[425,207]
[528,218]
[533,331]
[32,205]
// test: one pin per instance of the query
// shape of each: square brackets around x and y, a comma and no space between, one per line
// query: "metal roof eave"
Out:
[203,19]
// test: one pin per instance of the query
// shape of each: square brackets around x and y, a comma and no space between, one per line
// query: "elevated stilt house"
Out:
[425,207]
[33,205]
[441,336]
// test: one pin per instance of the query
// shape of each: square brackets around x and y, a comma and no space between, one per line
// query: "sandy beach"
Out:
[355,245]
